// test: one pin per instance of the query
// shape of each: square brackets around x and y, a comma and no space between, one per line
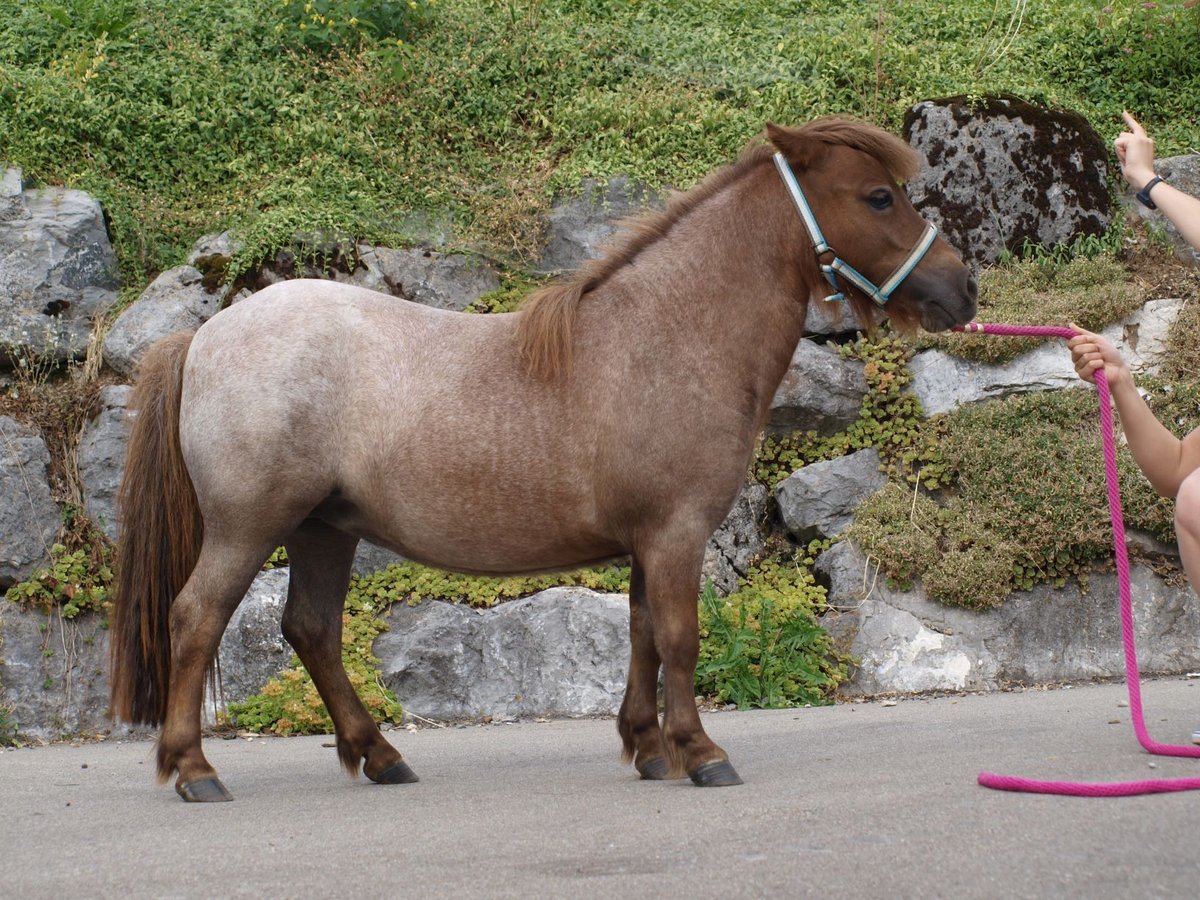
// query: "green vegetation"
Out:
[1040,515]
[76,581]
[889,420]
[1088,292]
[763,646]
[186,117]
[8,728]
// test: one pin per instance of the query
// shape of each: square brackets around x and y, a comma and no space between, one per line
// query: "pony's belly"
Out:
[475,543]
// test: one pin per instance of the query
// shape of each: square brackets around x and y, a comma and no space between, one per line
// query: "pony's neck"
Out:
[723,284]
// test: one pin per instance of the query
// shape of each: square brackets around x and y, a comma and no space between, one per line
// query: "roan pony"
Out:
[613,415]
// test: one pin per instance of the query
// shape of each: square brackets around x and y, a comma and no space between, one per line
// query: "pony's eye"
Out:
[880,199]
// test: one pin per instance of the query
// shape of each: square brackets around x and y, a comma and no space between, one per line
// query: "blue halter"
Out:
[839,267]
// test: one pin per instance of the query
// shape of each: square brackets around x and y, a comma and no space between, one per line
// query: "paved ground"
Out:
[858,800]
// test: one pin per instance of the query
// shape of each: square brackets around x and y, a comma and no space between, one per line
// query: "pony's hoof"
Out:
[655,769]
[397,773]
[203,790]
[718,773]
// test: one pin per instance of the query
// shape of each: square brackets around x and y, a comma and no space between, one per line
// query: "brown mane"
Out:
[547,315]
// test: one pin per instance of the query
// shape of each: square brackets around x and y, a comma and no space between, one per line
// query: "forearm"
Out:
[1158,452]
[1181,208]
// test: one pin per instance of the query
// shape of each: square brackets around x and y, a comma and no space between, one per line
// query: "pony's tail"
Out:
[159,542]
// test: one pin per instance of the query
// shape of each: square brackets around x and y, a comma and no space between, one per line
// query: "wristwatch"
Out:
[1144,194]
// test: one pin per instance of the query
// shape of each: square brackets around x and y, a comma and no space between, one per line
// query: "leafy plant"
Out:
[322,25]
[8,728]
[763,646]
[889,420]
[76,581]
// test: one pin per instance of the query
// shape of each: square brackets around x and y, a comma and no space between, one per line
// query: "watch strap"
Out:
[1144,194]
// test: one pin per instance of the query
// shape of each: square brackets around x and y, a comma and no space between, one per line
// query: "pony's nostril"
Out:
[972,288]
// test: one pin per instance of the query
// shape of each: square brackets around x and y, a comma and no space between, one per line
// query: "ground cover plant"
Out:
[467,115]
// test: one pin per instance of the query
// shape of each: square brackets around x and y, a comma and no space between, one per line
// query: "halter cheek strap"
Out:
[839,268]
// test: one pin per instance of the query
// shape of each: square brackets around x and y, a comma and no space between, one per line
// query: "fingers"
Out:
[1134,125]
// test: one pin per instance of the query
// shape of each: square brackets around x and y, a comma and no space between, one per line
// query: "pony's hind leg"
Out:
[218,583]
[319,559]
[672,574]
[637,722]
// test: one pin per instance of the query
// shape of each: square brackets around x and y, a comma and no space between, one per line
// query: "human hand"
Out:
[1091,352]
[1135,152]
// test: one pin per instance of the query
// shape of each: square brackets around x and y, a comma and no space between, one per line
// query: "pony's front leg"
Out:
[637,722]
[671,578]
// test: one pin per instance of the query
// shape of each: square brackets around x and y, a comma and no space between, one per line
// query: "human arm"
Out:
[1163,458]
[1135,152]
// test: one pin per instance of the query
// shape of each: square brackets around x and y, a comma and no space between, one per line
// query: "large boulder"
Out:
[442,280]
[53,672]
[29,517]
[177,300]
[738,542]
[58,270]
[100,458]
[578,228]
[907,643]
[819,500]
[564,651]
[1001,172]
[820,391]
[942,381]
[252,648]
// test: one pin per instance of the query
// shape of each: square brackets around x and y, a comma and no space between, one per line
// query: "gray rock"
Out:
[738,542]
[819,500]
[1002,171]
[578,228]
[445,281]
[820,392]
[220,244]
[175,301]
[252,648]
[101,458]
[942,381]
[29,517]
[830,318]
[1182,172]
[53,672]
[907,643]
[369,558]
[564,651]
[58,270]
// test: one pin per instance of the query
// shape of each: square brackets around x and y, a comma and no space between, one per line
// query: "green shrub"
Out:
[75,581]
[1028,504]
[888,420]
[763,646]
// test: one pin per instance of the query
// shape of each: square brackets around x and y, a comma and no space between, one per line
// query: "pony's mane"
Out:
[547,315]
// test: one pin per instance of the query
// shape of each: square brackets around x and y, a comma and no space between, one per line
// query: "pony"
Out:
[613,415]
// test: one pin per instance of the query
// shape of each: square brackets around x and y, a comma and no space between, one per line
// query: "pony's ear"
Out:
[798,148]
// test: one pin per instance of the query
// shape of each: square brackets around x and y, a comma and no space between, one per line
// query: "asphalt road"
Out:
[857,800]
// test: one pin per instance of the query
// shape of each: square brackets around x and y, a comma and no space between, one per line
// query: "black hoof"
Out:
[204,790]
[655,769]
[397,773]
[718,773]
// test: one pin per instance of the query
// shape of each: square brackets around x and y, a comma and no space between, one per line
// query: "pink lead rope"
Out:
[1102,789]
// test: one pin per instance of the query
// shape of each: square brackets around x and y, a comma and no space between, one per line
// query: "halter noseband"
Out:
[880,294]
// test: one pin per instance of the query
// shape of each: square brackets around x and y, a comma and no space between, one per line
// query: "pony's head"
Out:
[878,250]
